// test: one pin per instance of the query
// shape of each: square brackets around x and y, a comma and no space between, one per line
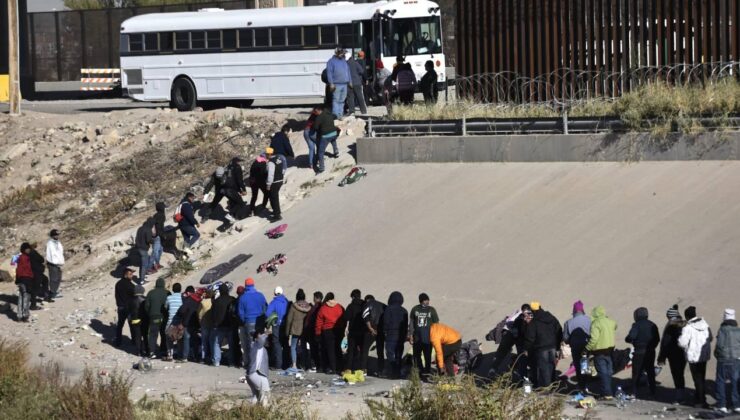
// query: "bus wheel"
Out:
[183,95]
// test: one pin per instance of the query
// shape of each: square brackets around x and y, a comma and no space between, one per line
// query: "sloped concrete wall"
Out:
[550,148]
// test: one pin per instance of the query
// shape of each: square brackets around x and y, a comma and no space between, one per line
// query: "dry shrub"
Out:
[450,400]
[43,393]
[223,408]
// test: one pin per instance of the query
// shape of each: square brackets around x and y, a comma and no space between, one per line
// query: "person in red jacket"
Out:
[25,283]
[330,327]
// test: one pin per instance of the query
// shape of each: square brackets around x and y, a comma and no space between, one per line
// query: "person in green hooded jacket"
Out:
[601,346]
[154,308]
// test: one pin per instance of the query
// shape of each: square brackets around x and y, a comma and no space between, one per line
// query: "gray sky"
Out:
[45,5]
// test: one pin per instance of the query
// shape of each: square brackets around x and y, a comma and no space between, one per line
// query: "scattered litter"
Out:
[83,346]
[277,232]
[354,175]
[242,379]
[143,365]
[272,265]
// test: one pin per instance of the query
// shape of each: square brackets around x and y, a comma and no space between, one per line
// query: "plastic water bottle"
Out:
[621,398]
[584,365]
[527,386]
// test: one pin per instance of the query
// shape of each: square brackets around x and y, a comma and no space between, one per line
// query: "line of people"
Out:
[538,338]
[34,286]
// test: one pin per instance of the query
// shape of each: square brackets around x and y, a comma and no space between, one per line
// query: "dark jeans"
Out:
[353,360]
[503,351]
[136,338]
[424,349]
[643,362]
[545,365]
[235,200]
[699,375]
[277,348]
[367,342]
[677,364]
[144,264]
[154,327]
[190,234]
[315,344]
[356,97]
[605,370]
[728,370]
[394,353]
[578,353]
[55,278]
[122,318]
[328,350]
[318,164]
[275,198]
[255,190]
[449,351]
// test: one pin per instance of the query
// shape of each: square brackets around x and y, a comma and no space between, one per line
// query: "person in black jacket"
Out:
[373,317]
[428,84]
[355,332]
[137,321]
[669,349]
[644,338]
[258,182]
[184,316]
[41,282]
[124,292]
[228,182]
[158,220]
[280,143]
[395,324]
[188,225]
[542,341]
[144,239]
[223,324]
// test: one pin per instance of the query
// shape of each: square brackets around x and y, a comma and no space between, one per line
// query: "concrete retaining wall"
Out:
[550,148]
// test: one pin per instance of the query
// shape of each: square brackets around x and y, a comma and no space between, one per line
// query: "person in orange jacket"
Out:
[446,342]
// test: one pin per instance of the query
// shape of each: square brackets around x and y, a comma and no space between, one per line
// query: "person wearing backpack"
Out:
[727,353]
[227,182]
[185,218]
[644,337]
[576,333]
[696,339]
[421,318]
[406,84]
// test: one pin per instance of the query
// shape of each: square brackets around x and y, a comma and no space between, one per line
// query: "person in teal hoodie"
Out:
[279,307]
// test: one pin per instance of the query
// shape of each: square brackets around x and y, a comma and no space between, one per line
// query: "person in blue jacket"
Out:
[188,225]
[339,78]
[280,143]
[251,306]
[279,307]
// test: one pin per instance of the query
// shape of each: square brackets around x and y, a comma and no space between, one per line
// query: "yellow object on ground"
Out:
[588,402]
[353,377]
[4,88]
[449,387]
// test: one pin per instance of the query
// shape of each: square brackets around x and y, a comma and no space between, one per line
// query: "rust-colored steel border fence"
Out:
[551,50]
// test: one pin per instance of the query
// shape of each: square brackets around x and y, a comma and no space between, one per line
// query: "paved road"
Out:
[118,104]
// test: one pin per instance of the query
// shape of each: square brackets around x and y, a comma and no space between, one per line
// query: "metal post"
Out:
[370,127]
[14,85]
[464,126]
[565,121]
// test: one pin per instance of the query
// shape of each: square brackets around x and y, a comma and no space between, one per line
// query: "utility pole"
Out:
[14,86]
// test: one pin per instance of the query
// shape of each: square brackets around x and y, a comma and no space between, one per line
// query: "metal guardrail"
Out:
[484,126]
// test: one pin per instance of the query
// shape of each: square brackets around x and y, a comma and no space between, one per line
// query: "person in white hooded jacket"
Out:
[54,261]
[695,339]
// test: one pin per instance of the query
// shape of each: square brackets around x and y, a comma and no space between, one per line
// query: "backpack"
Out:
[497,332]
[178,214]
[469,356]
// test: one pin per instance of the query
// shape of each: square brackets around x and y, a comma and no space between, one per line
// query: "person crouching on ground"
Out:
[446,342]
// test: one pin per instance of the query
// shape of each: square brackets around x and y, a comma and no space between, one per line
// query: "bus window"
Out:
[328,35]
[294,36]
[136,42]
[346,39]
[261,37]
[229,39]
[412,36]
[311,36]
[246,38]
[182,40]
[278,37]
[165,41]
[197,40]
[214,39]
[151,42]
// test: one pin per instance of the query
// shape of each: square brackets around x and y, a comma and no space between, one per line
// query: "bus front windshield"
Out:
[412,36]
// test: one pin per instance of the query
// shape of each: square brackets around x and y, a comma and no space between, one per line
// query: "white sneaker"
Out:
[737,409]
[722,410]
[230,218]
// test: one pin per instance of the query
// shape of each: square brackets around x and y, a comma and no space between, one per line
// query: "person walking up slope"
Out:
[695,339]
[727,353]
[576,333]
[644,337]
[601,346]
